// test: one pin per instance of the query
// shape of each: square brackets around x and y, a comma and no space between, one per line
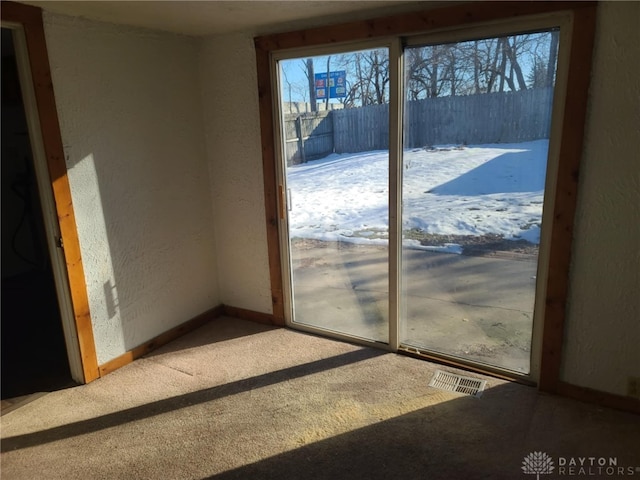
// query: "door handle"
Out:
[284,201]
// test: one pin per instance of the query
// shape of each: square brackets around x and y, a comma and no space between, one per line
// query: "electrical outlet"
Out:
[633,387]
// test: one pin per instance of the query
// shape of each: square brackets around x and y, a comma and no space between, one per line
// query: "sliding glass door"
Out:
[476,138]
[335,187]
[456,274]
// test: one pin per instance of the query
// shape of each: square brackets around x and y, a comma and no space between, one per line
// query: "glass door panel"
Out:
[335,139]
[476,128]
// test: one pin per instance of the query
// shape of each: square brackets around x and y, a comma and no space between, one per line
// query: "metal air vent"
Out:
[457,383]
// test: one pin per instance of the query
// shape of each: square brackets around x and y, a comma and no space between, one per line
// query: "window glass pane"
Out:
[335,148]
[476,130]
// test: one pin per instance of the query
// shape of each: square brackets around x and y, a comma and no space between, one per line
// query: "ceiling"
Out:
[215,17]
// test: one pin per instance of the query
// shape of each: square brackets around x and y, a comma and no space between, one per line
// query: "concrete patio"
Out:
[478,307]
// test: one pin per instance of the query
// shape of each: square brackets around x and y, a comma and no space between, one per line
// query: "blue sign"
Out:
[337,85]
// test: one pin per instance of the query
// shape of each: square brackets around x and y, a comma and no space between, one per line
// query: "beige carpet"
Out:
[236,399]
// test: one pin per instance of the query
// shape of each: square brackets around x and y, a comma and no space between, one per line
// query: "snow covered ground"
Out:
[470,190]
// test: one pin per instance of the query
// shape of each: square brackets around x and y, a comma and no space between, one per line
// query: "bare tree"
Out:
[288,86]
[439,70]
[476,68]
[545,56]
[367,77]
[497,64]
[327,84]
[309,72]
[553,57]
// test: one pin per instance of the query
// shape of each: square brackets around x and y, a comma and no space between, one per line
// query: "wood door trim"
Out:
[566,193]
[270,179]
[30,18]
[571,135]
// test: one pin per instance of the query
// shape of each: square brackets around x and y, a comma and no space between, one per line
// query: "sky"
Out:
[294,72]
[295,84]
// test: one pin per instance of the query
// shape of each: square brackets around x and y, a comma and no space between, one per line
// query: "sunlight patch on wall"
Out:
[96,256]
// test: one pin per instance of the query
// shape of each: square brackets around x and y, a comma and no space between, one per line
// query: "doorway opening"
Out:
[575,24]
[34,354]
[430,240]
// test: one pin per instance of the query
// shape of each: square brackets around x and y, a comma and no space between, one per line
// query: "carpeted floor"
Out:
[241,400]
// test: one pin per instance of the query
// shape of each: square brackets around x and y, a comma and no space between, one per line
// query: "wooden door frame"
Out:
[30,19]
[570,151]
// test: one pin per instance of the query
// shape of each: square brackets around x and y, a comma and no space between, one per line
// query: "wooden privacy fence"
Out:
[361,129]
[476,119]
[308,136]
[473,119]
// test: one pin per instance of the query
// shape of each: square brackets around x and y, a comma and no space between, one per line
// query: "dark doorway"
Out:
[34,356]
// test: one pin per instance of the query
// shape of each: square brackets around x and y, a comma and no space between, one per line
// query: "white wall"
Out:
[603,328]
[232,126]
[129,107]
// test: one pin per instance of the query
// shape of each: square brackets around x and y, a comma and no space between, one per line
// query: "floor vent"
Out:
[457,383]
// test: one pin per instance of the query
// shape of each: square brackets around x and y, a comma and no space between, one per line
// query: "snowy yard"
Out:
[462,191]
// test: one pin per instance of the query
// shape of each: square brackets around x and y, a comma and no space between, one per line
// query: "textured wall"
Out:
[129,108]
[232,128]
[603,330]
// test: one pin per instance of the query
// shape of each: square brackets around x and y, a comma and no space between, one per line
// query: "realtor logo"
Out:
[537,463]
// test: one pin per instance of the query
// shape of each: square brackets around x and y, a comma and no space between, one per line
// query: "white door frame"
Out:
[394,46]
[52,227]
